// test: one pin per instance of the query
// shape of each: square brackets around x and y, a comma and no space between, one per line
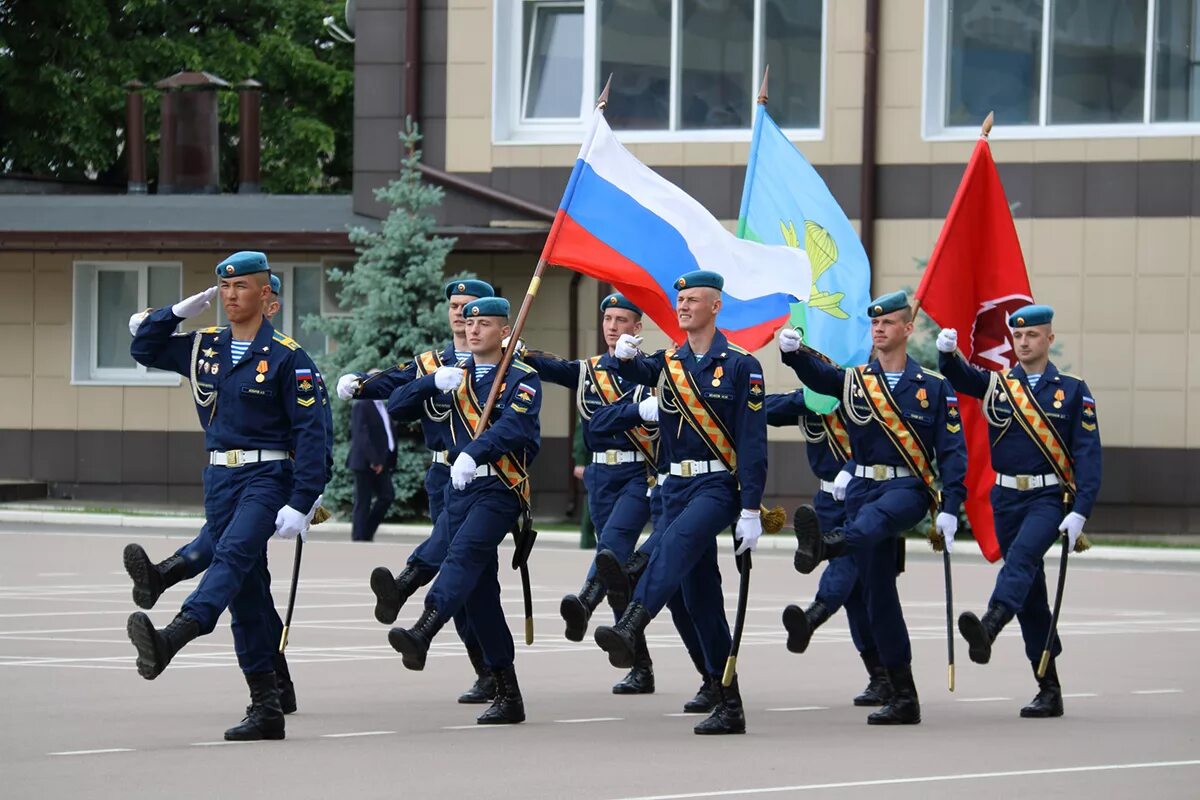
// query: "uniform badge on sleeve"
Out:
[304,380]
[523,398]
[755,401]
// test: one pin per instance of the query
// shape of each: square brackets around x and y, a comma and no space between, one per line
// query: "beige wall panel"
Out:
[1057,248]
[820,152]
[55,404]
[469,36]
[1101,295]
[52,351]
[1161,304]
[897,243]
[59,261]
[16,351]
[52,296]
[472,95]
[145,408]
[1066,295]
[847,20]
[16,403]
[1163,246]
[181,410]
[1195,253]
[954,152]
[1114,409]
[17,298]
[1009,151]
[467,145]
[844,84]
[557,409]
[559,155]
[900,137]
[658,154]
[899,81]
[1058,150]
[902,25]
[15,262]
[699,154]
[1025,237]
[844,136]
[1110,149]
[1106,363]
[1193,419]
[1110,246]
[1159,419]
[518,156]
[99,408]
[1160,361]
[1160,148]
[1193,362]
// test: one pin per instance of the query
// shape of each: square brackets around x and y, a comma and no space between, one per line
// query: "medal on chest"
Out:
[1059,396]
[923,397]
[261,369]
[717,373]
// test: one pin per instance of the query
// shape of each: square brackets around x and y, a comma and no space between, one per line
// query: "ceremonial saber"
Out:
[739,624]
[287,622]
[949,619]
[1058,598]
[527,592]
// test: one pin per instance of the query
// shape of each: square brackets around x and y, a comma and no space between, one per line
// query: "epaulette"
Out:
[286,341]
[737,349]
[1069,375]
[521,365]
[934,373]
[213,329]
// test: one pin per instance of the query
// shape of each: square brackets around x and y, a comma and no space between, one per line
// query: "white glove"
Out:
[648,409]
[520,344]
[627,346]
[947,340]
[947,526]
[194,305]
[348,385]
[448,378]
[748,529]
[839,485]
[462,471]
[290,523]
[1072,526]
[136,320]
[789,339]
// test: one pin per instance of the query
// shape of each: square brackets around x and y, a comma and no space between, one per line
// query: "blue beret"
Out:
[486,307]
[1027,316]
[243,262]
[618,300]
[888,303]
[276,284]
[471,288]
[699,279]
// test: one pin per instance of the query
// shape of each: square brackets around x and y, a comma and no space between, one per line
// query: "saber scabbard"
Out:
[949,620]
[739,624]
[1058,599]
[287,622]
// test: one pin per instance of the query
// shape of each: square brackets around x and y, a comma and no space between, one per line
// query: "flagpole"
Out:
[536,281]
[753,157]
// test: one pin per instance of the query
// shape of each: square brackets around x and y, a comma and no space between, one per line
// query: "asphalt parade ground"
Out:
[79,722]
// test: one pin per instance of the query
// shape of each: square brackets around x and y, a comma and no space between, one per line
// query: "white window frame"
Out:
[935,77]
[84,369]
[510,127]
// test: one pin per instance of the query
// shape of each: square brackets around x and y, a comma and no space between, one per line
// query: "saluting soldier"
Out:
[713,433]
[617,477]
[258,400]
[828,448]
[1045,444]
[907,442]
[489,478]
[390,591]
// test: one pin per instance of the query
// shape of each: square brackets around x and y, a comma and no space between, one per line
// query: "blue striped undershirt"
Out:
[892,378]
[237,350]
[1033,380]
[483,369]
[462,355]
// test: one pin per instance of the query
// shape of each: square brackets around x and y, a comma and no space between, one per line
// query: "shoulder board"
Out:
[1069,375]
[286,341]
[213,329]
[521,365]
[737,349]
[934,373]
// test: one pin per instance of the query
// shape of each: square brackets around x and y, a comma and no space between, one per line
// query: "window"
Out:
[304,293]
[1063,67]
[105,296]
[682,70]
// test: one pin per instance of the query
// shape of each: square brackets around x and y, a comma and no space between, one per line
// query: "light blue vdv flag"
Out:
[785,202]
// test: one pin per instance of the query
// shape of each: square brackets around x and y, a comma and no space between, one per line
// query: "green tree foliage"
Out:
[63,66]
[395,309]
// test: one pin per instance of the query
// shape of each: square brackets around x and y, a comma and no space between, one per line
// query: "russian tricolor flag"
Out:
[621,222]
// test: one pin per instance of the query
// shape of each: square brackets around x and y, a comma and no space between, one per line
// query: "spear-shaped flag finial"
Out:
[602,100]
[762,90]
[988,121]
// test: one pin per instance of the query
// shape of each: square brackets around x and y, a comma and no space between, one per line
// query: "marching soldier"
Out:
[489,491]
[390,591]
[617,477]
[1047,478]
[714,440]
[828,441]
[257,398]
[903,418]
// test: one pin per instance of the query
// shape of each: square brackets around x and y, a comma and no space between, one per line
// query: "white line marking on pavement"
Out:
[356,733]
[590,719]
[801,708]
[93,752]
[965,776]
[1081,694]
[981,699]
[1158,691]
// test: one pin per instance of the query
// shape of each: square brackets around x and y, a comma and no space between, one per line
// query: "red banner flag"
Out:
[975,278]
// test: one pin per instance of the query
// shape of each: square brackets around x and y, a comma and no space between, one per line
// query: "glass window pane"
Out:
[995,61]
[306,300]
[116,299]
[554,61]
[635,48]
[163,289]
[1176,79]
[1099,61]
[717,55]
[793,49]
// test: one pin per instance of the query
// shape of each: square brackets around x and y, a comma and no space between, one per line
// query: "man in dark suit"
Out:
[372,458]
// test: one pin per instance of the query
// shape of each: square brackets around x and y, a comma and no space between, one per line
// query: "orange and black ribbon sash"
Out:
[606,388]
[836,434]
[471,413]
[693,409]
[1033,420]
[887,413]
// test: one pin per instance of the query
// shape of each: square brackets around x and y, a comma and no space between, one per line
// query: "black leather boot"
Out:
[264,717]
[391,593]
[640,679]
[619,579]
[980,633]
[727,716]
[150,580]
[903,708]
[813,547]
[413,643]
[576,609]
[287,689]
[508,708]
[156,648]
[800,625]
[484,688]
[879,688]
[706,698]
[620,640]
[1049,701]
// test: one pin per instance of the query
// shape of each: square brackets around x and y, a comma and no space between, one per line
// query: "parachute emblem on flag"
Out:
[822,254]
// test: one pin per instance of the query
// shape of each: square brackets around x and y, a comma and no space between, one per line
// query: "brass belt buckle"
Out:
[233,458]
[685,468]
[610,457]
[1023,483]
[879,472]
